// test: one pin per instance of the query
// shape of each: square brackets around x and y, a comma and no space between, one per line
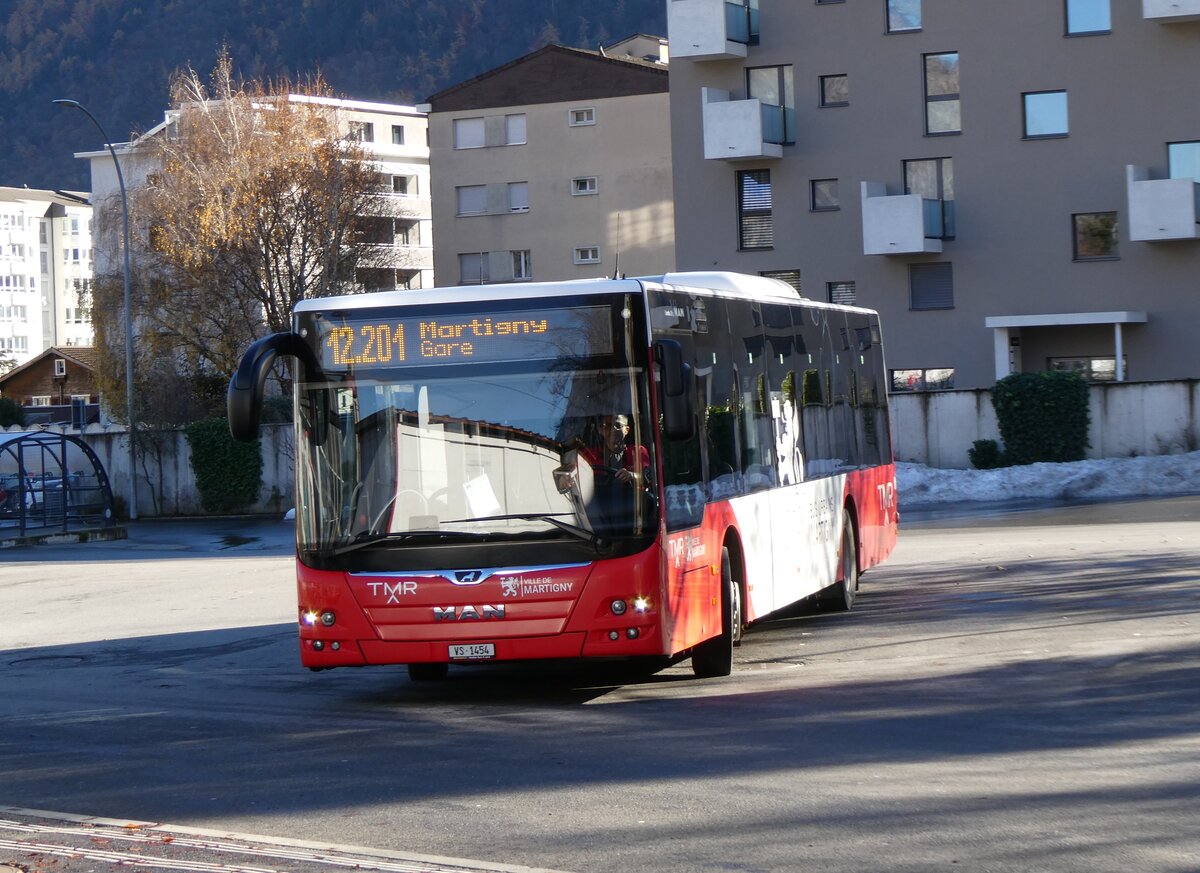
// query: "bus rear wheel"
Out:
[839,597]
[714,657]
[427,672]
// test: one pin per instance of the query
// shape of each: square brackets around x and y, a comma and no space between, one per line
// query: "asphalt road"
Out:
[1012,692]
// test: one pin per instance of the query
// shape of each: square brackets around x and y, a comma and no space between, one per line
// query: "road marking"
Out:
[166,836]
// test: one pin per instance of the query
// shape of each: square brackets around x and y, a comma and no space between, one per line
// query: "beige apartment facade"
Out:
[1012,185]
[555,166]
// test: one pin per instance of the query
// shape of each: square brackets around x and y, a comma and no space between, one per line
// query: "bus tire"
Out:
[714,657]
[428,672]
[839,597]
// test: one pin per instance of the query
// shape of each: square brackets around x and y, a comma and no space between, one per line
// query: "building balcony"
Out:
[1169,11]
[1161,209]
[902,224]
[711,30]
[742,130]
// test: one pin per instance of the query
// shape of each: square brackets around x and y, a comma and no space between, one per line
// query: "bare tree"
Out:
[257,199]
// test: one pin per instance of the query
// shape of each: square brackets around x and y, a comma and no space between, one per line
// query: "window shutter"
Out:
[468,133]
[756,230]
[472,199]
[931,286]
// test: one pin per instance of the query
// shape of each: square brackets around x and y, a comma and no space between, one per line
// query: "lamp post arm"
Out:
[133,508]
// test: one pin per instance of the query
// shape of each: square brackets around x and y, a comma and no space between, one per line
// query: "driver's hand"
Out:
[627,476]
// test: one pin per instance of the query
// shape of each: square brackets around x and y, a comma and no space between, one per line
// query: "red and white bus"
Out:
[457,500]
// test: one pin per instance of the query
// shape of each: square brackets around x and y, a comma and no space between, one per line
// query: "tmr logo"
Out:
[468,613]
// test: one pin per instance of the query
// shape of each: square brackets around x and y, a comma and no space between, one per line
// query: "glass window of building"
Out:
[1045,114]
[903,15]
[773,88]
[755,226]
[1183,159]
[824,195]
[1089,16]
[943,112]
[1095,236]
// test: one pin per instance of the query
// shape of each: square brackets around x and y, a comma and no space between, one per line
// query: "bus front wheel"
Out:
[714,657]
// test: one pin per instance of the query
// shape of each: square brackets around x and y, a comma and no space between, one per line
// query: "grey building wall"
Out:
[1130,91]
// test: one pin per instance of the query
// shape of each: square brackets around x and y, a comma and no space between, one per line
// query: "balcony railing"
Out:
[709,30]
[1168,11]
[902,224]
[1161,209]
[741,130]
[778,124]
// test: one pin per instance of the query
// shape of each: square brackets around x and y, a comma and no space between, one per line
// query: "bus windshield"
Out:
[540,441]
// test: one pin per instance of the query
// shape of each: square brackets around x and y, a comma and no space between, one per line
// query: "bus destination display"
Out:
[467,339]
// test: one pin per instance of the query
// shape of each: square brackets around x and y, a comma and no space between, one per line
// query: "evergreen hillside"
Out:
[116,57]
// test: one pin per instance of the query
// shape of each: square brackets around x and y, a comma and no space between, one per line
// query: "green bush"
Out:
[11,412]
[986,455]
[228,473]
[1042,416]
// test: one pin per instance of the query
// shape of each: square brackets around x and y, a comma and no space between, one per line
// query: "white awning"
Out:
[1065,319]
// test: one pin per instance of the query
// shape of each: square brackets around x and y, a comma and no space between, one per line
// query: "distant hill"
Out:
[116,57]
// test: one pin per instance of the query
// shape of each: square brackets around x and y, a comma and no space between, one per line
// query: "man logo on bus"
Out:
[468,613]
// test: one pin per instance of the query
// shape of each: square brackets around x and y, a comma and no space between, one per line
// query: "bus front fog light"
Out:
[618,607]
[632,633]
[641,604]
[328,618]
[614,635]
[336,646]
[318,645]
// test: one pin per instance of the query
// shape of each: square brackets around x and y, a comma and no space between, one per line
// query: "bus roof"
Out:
[718,283]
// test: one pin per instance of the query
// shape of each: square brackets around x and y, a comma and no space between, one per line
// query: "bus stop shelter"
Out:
[50,483]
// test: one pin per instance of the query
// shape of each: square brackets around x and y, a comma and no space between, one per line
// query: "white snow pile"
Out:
[1110,478]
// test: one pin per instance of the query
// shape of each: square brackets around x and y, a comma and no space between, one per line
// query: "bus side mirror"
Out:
[676,390]
[243,401]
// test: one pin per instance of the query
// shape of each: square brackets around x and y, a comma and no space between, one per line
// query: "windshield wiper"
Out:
[548,517]
[366,538]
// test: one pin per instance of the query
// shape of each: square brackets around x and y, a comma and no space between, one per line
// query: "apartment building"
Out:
[45,271]
[396,137]
[1012,185]
[555,166]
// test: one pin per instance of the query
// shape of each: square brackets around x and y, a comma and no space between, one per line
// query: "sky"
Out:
[1107,479]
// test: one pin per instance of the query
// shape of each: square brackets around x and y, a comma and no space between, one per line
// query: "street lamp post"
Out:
[133,512]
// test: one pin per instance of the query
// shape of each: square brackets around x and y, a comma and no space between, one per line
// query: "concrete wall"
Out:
[164,459]
[1127,419]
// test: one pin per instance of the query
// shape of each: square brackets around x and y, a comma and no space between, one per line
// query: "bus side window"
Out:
[684,491]
[782,394]
[756,458]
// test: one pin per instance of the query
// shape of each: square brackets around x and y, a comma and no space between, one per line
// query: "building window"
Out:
[469,133]
[1183,160]
[404,185]
[773,88]
[584,185]
[792,277]
[823,195]
[1088,17]
[471,199]
[1101,369]
[933,180]
[587,255]
[835,90]
[397,134]
[844,293]
[514,129]
[903,16]
[1095,236]
[1045,114]
[363,131]
[518,196]
[582,117]
[755,227]
[943,112]
[522,265]
[473,268]
[924,379]
[930,286]
[40,400]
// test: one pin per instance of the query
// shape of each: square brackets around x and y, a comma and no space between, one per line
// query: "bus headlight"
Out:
[309,618]
[618,607]
[641,604]
[328,618]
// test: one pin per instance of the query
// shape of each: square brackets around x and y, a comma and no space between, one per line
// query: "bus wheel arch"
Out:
[839,597]
[714,656]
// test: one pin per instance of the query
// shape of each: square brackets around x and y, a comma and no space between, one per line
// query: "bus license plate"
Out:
[473,651]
